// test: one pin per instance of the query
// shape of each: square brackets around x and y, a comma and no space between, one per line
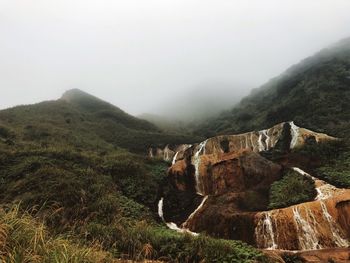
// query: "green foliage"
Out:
[69,165]
[292,189]
[289,258]
[170,246]
[337,172]
[334,159]
[324,151]
[84,122]
[77,183]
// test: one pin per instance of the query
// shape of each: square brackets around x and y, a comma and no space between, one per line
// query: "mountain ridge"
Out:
[314,93]
[83,121]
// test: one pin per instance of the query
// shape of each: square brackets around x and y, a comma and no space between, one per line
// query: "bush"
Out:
[147,242]
[337,172]
[288,258]
[292,189]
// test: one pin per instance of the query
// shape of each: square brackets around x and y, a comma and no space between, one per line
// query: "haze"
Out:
[158,56]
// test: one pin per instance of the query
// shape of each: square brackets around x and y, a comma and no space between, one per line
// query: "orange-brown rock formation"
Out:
[234,179]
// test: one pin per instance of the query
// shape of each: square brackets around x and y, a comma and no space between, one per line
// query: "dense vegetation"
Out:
[84,122]
[69,192]
[314,93]
[24,239]
[333,161]
[292,189]
[105,202]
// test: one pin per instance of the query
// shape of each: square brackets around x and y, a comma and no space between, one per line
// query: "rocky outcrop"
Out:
[225,180]
[306,226]
[336,255]
[284,136]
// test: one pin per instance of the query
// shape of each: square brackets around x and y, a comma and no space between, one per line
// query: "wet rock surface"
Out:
[221,187]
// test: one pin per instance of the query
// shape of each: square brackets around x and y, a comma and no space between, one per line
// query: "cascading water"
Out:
[294,130]
[196,163]
[175,156]
[307,234]
[336,232]
[160,208]
[264,141]
[172,225]
[323,189]
[195,211]
[264,231]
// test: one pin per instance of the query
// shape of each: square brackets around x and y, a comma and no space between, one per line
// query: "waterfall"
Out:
[264,230]
[336,232]
[307,234]
[260,144]
[264,142]
[196,162]
[195,211]
[174,159]
[160,208]
[294,130]
[325,191]
[172,225]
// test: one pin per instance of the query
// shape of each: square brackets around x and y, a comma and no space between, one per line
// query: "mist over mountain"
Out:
[314,93]
[201,102]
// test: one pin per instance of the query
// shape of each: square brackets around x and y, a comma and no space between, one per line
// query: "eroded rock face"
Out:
[221,186]
[337,255]
[228,178]
[285,135]
[307,226]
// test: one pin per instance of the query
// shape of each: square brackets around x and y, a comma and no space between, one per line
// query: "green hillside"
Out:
[83,121]
[314,93]
[71,190]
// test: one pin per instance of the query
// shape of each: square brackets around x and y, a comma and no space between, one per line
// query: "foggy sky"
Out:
[142,55]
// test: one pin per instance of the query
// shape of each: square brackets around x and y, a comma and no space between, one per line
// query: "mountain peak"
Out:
[73,94]
[87,101]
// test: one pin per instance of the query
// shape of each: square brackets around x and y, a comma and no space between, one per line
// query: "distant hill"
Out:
[315,93]
[83,121]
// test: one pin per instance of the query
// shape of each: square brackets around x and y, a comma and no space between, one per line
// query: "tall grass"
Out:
[24,239]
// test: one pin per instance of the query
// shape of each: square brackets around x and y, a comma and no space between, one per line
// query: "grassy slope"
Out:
[85,122]
[62,160]
[314,93]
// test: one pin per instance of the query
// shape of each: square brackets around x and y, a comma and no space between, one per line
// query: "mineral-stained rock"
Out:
[221,187]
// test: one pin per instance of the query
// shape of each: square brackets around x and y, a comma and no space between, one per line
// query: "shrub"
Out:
[292,189]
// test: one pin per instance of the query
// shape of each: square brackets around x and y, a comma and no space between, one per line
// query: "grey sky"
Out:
[142,54]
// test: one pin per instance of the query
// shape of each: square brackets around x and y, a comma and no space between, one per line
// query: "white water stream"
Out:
[175,156]
[294,130]
[265,228]
[196,162]
[336,232]
[174,226]
[307,234]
